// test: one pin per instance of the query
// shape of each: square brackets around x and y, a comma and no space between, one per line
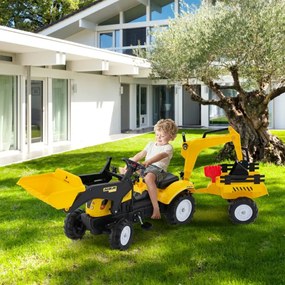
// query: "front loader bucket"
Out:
[58,189]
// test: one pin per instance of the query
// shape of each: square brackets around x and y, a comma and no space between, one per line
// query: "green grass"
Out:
[219,120]
[209,250]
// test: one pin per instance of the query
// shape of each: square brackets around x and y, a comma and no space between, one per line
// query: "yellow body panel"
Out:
[166,195]
[234,190]
[58,189]
[140,186]
[94,209]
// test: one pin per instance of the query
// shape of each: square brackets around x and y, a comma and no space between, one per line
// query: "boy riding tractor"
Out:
[114,202]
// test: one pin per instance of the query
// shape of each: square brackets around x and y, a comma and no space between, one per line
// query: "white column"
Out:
[22,117]
[29,109]
[178,102]
[205,108]
[49,124]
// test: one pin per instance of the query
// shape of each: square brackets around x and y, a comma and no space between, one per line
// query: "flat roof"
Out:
[38,50]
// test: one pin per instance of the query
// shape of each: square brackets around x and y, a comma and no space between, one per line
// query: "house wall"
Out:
[278,112]
[95,107]
[94,104]
[85,37]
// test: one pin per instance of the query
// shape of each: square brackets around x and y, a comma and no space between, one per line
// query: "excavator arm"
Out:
[191,149]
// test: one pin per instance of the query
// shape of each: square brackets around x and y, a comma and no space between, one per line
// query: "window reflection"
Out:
[161,9]
[106,40]
[163,102]
[8,112]
[136,14]
[133,37]
[111,21]
[184,4]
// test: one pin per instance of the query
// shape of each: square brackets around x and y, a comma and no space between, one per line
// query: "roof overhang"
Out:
[30,49]
[92,15]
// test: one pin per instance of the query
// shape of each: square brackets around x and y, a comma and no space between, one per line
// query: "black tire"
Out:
[121,235]
[243,211]
[181,209]
[73,225]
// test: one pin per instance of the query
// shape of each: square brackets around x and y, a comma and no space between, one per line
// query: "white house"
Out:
[76,81]
[121,25]
[48,98]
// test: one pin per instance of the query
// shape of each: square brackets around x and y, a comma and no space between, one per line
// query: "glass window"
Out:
[132,38]
[112,21]
[184,4]
[60,109]
[143,100]
[8,90]
[37,111]
[106,40]
[161,9]
[117,38]
[136,14]
[217,115]
[141,106]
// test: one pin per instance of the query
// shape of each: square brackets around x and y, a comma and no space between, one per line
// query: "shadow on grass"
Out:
[173,255]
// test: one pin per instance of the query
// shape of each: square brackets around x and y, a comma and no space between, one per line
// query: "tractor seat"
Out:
[169,178]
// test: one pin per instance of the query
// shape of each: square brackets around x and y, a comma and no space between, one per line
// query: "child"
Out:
[157,158]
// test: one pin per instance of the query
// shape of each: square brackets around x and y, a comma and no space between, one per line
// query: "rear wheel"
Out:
[73,225]
[181,209]
[121,235]
[243,211]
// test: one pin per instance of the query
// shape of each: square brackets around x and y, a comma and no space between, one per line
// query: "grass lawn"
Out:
[209,250]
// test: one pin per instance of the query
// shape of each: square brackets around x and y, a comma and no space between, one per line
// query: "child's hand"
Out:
[123,170]
[146,163]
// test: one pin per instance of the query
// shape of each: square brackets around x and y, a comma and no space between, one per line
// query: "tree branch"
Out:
[197,98]
[234,72]
[215,87]
[275,93]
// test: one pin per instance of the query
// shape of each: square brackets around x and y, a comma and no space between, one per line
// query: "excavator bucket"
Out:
[58,189]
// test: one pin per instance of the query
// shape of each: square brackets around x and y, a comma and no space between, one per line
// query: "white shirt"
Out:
[153,149]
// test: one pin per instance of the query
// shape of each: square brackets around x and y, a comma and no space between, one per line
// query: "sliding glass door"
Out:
[60,109]
[8,106]
[163,102]
[141,106]
[37,110]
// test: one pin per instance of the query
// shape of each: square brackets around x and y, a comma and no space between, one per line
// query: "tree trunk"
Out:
[248,114]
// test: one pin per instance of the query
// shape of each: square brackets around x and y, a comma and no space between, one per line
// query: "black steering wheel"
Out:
[133,165]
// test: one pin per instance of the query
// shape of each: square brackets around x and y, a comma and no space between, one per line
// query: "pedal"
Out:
[145,225]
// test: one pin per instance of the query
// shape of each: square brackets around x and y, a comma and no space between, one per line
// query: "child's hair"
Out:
[167,126]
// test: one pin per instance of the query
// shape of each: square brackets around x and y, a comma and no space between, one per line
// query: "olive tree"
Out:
[240,42]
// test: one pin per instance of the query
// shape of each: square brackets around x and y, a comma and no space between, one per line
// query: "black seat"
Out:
[170,178]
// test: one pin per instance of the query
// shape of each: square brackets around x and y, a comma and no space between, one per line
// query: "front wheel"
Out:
[73,225]
[181,209]
[121,235]
[243,211]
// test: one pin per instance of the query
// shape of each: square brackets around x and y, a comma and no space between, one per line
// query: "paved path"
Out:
[40,150]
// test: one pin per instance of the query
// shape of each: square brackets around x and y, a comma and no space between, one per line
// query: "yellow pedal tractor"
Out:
[114,202]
